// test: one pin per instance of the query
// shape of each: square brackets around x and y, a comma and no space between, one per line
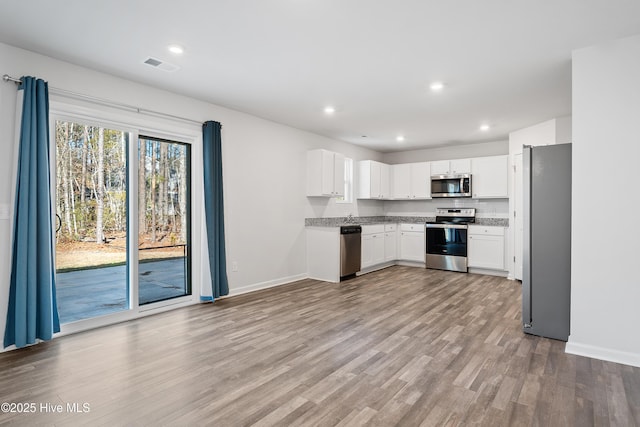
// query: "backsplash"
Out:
[485,208]
[363,220]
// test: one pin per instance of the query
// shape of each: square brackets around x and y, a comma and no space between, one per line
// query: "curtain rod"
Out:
[106,102]
[8,78]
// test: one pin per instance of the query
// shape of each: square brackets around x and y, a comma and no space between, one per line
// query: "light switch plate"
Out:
[4,211]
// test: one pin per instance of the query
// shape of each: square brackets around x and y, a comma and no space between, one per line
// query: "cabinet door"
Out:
[327,172]
[460,166]
[490,176]
[420,180]
[390,245]
[440,167]
[412,246]
[323,179]
[366,251]
[375,180]
[385,189]
[401,181]
[486,251]
[338,174]
[378,248]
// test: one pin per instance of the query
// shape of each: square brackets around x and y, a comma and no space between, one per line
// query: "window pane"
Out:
[91,220]
[163,220]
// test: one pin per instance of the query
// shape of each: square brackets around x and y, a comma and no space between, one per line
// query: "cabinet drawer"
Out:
[390,227]
[373,229]
[486,230]
[412,227]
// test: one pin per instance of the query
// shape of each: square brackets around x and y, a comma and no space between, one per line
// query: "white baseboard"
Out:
[602,353]
[267,284]
[488,272]
[417,264]
[375,268]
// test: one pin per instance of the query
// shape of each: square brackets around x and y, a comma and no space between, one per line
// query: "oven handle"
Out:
[458,226]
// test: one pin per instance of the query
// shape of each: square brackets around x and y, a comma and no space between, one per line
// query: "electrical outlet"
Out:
[234,266]
[4,211]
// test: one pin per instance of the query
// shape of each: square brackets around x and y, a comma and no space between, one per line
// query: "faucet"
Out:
[349,219]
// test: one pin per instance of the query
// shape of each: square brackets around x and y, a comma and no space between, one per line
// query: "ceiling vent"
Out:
[161,65]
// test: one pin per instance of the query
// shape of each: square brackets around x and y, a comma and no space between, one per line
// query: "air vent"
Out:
[161,65]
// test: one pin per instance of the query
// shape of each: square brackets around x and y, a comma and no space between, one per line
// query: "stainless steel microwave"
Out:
[458,185]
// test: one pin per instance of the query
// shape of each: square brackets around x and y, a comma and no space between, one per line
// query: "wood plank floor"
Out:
[402,346]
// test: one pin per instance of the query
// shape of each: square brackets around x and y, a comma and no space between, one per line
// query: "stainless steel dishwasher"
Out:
[350,250]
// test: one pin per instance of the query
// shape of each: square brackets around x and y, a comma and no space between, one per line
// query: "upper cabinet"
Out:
[490,176]
[325,173]
[374,180]
[449,167]
[411,181]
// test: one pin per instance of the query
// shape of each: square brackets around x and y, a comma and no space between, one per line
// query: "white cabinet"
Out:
[325,173]
[448,167]
[411,181]
[390,242]
[323,253]
[374,180]
[486,247]
[412,243]
[489,177]
[373,247]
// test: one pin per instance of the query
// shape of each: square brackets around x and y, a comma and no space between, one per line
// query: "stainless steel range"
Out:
[447,239]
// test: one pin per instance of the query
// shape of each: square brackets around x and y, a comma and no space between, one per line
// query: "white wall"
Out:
[264,171]
[554,131]
[605,288]
[493,148]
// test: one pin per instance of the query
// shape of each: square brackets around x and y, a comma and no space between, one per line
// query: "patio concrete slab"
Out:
[84,294]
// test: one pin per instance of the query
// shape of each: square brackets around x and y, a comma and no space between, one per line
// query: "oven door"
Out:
[446,247]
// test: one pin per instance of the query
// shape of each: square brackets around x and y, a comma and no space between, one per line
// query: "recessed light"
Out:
[485,127]
[400,138]
[176,48]
[436,86]
[329,110]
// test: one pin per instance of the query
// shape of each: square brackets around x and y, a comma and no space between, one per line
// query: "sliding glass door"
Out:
[164,220]
[97,237]
[91,215]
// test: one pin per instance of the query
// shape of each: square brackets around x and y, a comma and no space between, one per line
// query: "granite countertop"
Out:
[368,220]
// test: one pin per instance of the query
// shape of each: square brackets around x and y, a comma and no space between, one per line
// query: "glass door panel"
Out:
[164,220]
[91,220]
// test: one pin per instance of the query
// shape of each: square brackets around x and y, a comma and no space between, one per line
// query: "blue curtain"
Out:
[214,207]
[32,312]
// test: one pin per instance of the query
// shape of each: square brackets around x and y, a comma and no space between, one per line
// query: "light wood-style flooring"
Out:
[402,346]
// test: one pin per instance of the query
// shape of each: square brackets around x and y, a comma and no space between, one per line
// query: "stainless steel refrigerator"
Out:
[546,280]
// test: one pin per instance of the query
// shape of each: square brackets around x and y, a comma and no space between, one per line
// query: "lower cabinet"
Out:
[386,243]
[486,247]
[373,245]
[412,243]
[390,242]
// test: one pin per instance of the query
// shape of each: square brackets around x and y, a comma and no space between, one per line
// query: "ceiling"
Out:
[505,63]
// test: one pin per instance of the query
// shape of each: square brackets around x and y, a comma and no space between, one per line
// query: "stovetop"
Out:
[454,216]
